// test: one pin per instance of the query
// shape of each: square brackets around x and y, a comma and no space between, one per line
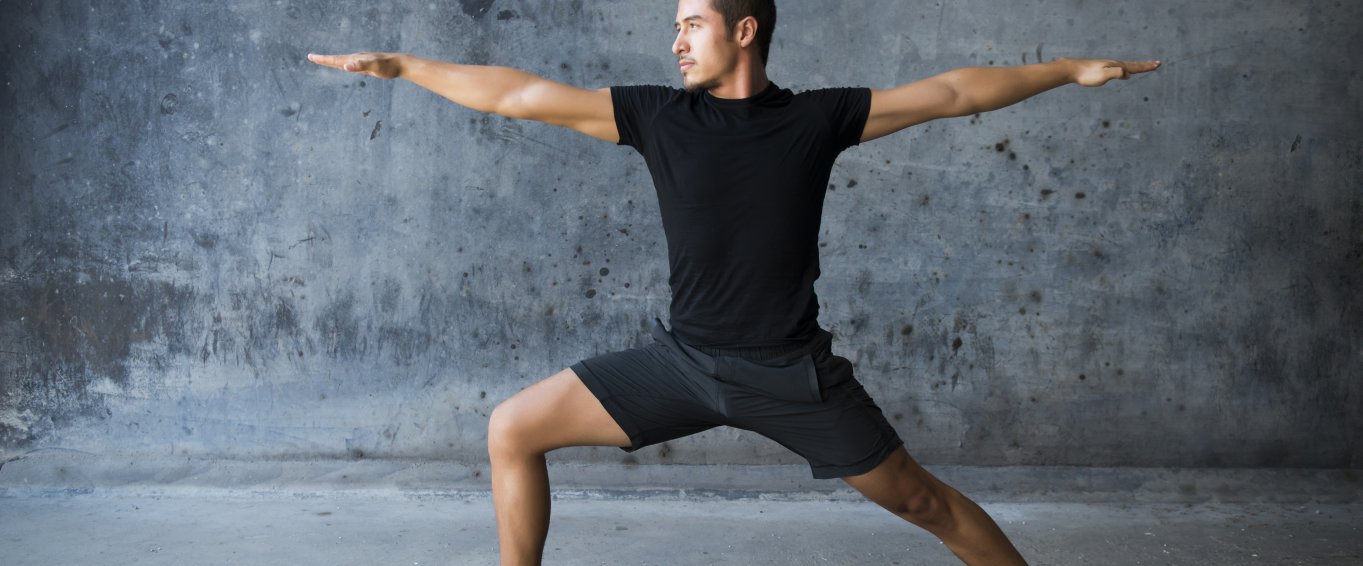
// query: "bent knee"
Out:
[508,429]
[926,506]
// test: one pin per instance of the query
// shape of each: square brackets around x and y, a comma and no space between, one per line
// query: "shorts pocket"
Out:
[833,371]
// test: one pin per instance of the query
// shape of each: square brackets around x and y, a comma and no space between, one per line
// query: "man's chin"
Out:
[698,86]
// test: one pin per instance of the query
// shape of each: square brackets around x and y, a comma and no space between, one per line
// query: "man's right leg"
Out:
[557,412]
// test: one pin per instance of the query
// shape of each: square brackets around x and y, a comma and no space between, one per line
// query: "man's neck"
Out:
[744,85]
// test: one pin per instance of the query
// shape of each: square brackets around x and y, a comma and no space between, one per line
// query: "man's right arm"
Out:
[500,90]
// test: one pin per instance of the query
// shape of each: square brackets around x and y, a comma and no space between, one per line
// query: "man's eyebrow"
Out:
[688,18]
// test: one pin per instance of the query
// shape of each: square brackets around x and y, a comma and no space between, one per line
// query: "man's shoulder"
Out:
[835,100]
[832,92]
[645,98]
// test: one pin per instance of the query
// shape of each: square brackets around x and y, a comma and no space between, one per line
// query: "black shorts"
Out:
[803,397]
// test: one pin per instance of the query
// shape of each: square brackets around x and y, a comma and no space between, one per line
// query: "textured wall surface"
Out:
[212,248]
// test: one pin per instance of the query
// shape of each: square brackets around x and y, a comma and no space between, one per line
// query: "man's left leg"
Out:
[904,488]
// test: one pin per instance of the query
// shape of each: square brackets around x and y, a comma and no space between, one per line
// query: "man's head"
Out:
[763,12]
[712,36]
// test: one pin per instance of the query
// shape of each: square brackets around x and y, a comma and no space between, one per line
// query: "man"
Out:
[740,168]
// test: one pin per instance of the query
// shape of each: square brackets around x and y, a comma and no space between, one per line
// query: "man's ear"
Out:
[746,31]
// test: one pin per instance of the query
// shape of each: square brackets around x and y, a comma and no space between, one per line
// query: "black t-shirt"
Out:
[741,187]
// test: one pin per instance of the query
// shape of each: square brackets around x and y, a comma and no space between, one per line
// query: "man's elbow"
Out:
[518,99]
[962,106]
[953,101]
[512,105]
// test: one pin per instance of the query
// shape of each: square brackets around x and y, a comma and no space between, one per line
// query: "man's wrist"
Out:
[1068,68]
[402,64]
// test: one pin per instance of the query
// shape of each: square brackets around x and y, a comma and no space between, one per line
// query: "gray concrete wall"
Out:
[210,248]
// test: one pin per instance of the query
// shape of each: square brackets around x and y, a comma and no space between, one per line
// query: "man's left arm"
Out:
[971,90]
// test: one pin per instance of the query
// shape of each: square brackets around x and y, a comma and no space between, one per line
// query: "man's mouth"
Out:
[686,64]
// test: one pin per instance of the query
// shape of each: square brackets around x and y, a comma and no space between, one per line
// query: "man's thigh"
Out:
[556,412]
[845,434]
[652,394]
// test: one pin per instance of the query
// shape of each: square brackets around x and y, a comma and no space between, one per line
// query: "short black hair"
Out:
[764,11]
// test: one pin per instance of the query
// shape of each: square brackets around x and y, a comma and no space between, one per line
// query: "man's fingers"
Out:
[1097,72]
[1141,66]
[326,60]
[343,62]
[381,65]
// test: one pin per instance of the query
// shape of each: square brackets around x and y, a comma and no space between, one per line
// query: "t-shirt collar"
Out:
[767,94]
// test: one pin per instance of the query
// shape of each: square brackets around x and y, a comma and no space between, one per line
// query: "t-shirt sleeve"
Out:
[846,110]
[635,107]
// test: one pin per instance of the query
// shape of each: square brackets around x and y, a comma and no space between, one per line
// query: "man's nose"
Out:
[679,45]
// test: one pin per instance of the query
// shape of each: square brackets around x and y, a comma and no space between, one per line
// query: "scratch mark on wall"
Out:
[1201,54]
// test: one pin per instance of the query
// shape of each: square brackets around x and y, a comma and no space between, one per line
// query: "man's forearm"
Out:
[990,88]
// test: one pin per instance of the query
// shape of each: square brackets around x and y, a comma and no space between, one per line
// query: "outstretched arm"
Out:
[500,90]
[972,90]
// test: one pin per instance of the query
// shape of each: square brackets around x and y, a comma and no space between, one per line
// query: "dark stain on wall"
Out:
[403,345]
[338,328]
[168,104]
[90,326]
[75,330]
[476,8]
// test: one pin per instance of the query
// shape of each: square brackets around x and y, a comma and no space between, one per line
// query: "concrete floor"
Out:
[391,527]
[70,507]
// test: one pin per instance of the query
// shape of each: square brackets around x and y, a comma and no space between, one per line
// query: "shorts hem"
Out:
[828,472]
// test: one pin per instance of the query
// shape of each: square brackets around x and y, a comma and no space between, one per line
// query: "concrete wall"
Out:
[211,248]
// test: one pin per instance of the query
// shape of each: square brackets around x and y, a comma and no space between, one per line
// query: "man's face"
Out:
[704,50]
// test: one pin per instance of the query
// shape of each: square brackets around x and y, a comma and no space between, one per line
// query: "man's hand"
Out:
[381,65]
[1097,72]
